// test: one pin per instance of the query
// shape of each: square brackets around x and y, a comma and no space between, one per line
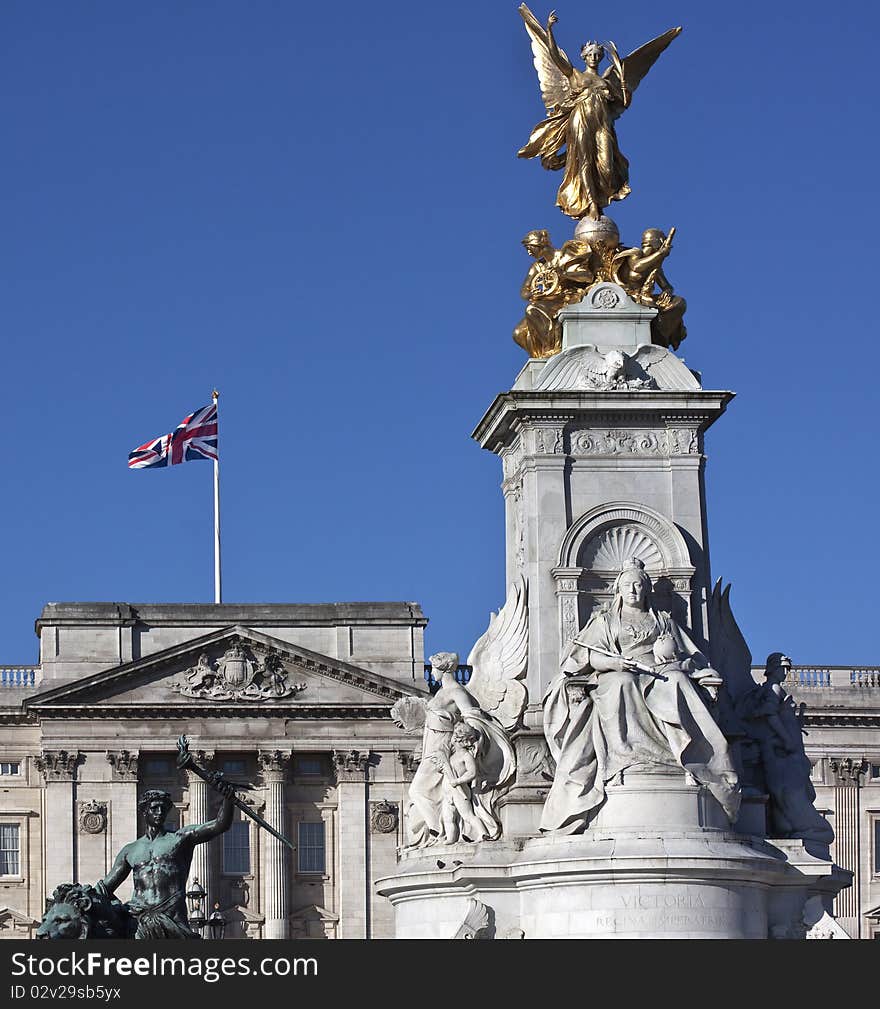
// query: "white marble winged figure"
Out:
[467,756]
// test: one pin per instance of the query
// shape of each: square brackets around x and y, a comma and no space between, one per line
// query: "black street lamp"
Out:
[196,896]
[216,923]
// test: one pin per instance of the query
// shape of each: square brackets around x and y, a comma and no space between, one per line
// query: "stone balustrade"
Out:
[20,676]
[829,677]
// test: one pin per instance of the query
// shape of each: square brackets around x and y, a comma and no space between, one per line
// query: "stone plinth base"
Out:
[632,884]
[659,861]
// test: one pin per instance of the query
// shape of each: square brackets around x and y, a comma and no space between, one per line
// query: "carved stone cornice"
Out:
[848,771]
[58,765]
[274,764]
[124,764]
[351,765]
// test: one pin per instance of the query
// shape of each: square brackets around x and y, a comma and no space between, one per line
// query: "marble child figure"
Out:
[646,706]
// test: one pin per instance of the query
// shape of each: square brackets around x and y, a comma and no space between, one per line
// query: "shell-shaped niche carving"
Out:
[611,548]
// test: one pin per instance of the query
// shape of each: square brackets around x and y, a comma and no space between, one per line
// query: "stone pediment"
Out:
[234,670]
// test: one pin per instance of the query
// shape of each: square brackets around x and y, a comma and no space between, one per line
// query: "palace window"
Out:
[10,849]
[311,848]
[157,767]
[10,767]
[237,848]
[235,766]
[308,766]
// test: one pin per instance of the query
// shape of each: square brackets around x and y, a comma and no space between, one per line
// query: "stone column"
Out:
[199,812]
[354,881]
[123,821]
[848,774]
[276,877]
[58,768]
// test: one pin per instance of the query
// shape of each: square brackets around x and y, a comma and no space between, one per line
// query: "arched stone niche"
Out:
[596,547]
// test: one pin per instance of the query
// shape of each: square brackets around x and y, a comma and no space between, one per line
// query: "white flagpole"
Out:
[218,594]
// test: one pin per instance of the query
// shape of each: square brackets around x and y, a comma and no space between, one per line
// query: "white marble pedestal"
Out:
[655,864]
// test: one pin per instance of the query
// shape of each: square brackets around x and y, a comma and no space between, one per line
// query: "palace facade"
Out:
[292,701]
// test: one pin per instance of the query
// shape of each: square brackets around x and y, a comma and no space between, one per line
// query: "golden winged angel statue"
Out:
[582,106]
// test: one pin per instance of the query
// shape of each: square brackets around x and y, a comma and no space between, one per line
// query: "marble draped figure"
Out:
[640,701]
[467,757]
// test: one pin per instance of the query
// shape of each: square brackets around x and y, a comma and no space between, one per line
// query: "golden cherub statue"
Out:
[582,105]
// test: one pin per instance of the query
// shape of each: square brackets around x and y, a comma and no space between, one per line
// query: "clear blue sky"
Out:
[317,208]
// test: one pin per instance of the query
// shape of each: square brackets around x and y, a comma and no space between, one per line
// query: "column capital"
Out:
[351,765]
[124,764]
[409,762]
[273,764]
[58,765]
[848,771]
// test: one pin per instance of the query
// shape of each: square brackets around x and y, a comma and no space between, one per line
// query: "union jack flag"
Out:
[195,437]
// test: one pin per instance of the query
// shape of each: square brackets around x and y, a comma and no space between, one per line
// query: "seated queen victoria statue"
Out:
[634,694]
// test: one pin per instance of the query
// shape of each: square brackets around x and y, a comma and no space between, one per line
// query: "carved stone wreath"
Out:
[605,297]
[92,817]
[383,818]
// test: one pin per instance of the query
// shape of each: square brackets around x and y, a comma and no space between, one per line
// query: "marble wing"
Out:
[581,368]
[500,657]
[637,65]
[555,88]
[728,652]
[667,370]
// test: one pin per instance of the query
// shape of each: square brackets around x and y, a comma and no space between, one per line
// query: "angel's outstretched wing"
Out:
[729,653]
[636,66]
[555,88]
[500,657]
[409,714]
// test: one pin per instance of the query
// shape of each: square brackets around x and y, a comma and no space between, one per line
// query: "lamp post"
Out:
[196,896]
[216,923]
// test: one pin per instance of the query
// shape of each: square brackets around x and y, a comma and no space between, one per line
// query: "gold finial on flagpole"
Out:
[215,395]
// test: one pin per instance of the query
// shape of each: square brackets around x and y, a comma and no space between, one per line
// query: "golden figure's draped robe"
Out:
[596,173]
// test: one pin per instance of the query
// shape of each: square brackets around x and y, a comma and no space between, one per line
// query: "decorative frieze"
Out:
[92,817]
[57,765]
[384,816]
[618,442]
[683,441]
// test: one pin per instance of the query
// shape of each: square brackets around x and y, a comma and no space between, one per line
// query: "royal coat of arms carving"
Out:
[237,676]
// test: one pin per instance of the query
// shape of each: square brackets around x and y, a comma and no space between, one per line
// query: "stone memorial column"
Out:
[58,768]
[276,878]
[848,774]
[354,884]
[199,792]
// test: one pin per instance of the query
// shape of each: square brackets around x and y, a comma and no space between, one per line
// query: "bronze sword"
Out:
[185,760]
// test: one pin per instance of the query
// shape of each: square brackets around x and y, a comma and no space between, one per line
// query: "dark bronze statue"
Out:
[159,861]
